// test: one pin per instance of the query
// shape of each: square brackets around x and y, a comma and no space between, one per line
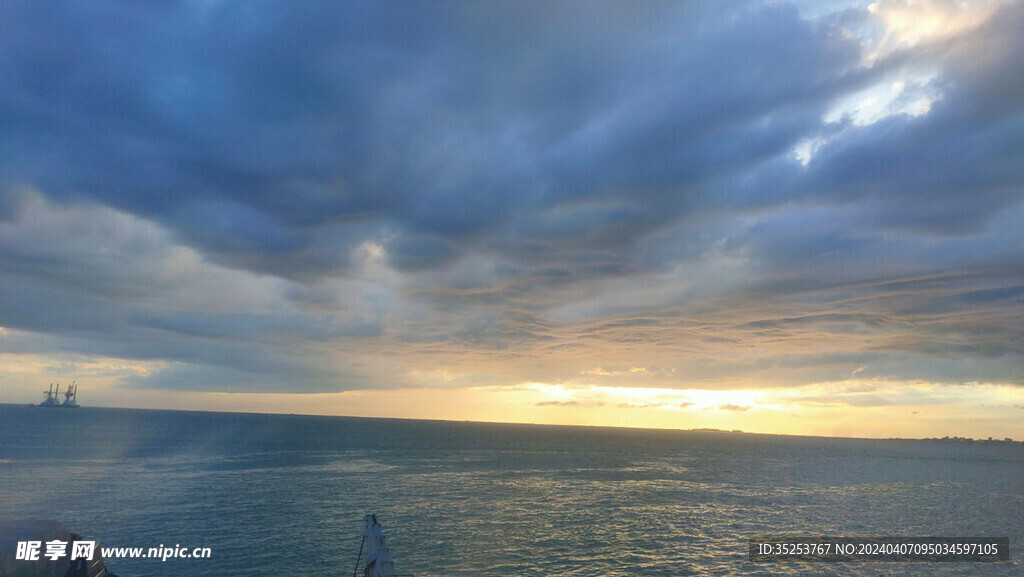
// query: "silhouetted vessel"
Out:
[70,397]
[50,400]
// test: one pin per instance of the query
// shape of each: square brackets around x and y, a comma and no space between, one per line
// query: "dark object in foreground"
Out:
[13,532]
[378,558]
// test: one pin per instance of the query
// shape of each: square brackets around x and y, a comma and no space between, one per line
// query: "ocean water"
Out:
[286,495]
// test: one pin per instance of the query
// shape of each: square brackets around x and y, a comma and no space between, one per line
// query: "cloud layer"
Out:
[320,196]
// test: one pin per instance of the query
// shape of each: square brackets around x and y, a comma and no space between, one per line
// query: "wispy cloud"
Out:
[732,407]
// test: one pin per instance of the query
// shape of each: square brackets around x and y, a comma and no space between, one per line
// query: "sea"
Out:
[287,494]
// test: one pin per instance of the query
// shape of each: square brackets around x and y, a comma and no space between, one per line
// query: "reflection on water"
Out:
[283,494]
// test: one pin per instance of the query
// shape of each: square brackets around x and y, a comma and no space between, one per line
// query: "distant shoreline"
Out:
[704,430]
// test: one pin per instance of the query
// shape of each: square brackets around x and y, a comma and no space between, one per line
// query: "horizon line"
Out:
[947,438]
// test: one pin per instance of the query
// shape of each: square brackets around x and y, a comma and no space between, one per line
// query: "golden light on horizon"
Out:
[857,408]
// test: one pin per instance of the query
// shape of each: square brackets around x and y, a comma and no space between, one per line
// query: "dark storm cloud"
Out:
[508,181]
[253,128]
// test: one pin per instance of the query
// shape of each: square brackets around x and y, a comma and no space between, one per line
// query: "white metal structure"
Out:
[378,558]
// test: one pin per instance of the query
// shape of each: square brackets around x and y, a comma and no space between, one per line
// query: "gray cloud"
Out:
[272,194]
[557,404]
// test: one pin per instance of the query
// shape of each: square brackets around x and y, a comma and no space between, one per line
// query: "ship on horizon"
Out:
[70,397]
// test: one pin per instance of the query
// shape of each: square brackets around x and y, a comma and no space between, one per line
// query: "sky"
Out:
[767,216]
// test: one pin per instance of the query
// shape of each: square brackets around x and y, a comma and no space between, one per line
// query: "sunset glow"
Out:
[780,218]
